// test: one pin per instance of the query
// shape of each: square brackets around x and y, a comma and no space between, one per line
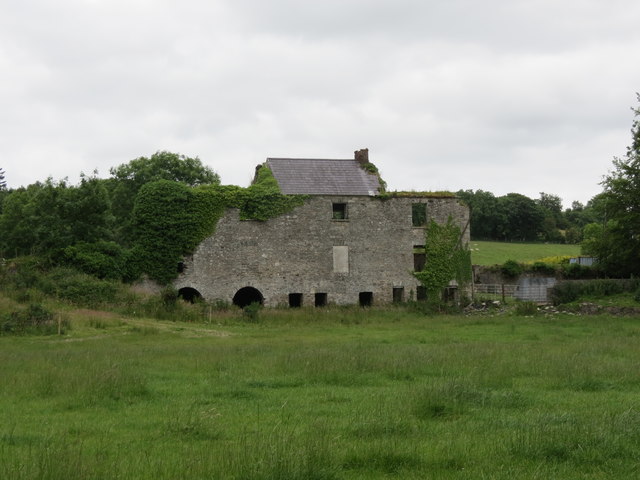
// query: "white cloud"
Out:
[446,94]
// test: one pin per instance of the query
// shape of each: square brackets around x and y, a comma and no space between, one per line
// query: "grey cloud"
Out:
[452,94]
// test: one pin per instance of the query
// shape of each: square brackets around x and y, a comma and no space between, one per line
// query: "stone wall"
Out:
[296,253]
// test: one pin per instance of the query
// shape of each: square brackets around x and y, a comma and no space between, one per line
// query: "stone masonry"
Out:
[308,256]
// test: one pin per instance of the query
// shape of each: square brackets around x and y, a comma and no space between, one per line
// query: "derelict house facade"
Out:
[344,245]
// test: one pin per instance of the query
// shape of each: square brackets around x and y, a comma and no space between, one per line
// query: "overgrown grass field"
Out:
[323,394]
[495,253]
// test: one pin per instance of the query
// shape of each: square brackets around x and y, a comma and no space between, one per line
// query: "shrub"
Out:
[169,297]
[35,320]
[252,311]
[511,269]
[543,268]
[79,288]
[23,273]
[526,308]
[574,271]
[566,292]
[102,259]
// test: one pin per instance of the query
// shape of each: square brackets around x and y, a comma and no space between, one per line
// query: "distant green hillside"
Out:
[492,253]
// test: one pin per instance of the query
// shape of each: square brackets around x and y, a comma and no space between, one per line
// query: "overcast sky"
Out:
[521,96]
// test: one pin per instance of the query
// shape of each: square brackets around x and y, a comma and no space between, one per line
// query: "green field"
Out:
[494,253]
[323,394]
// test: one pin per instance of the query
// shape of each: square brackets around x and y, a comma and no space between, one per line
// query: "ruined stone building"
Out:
[347,244]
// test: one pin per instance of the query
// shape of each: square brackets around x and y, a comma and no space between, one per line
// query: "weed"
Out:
[252,312]
[384,461]
[526,308]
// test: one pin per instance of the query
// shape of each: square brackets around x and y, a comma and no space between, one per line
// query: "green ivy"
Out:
[372,169]
[446,258]
[172,219]
[264,200]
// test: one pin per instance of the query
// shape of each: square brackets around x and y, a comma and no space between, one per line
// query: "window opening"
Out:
[339,211]
[295,300]
[365,299]
[421,293]
[321,299]
[419,258]
[450,293]
[180,267]
[419,214]
[398,294]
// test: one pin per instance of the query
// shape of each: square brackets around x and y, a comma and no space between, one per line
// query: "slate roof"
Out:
[314,176]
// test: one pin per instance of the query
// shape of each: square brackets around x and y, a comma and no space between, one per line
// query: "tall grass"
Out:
[330,394]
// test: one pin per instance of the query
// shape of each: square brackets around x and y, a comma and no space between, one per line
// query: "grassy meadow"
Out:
[494,253]
[323,394]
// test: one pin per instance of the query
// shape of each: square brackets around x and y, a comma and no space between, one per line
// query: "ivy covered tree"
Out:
[127,180]
[162,226]
[447,259]
[170,219]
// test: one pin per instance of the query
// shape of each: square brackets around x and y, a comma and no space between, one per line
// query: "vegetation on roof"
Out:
[372,169]
[416,194]
[167,233]
[143,220]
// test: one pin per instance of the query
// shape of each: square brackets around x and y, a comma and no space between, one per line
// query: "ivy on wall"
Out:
[446,258]
[171,219]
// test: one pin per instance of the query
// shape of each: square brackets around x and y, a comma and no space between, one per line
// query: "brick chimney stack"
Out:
[362,156]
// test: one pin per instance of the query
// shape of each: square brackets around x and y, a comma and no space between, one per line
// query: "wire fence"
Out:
[538,293]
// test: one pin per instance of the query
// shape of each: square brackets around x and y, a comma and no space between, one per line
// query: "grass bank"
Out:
[323,394]
[494,253]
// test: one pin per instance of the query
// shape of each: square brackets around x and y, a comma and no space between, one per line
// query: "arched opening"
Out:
[189,294]
[246,296]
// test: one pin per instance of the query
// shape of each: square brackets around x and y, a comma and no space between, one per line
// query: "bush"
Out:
[169,297]
[566,292]
[79,288]
[526,308]
[23,273]
[252,311]
[35,320]
[511,269]
[543,268]
[574,271]
[101,259]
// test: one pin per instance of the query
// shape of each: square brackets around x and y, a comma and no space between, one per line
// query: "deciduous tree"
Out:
[617,243]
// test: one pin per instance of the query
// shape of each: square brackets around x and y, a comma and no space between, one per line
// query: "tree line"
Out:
[143,219]
[517,218]
[111,227]
[608,227]
[101,226]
